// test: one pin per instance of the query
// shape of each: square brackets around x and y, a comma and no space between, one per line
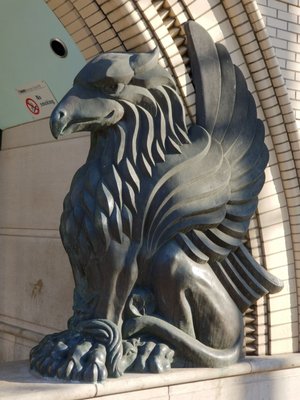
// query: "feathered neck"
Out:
[126,154]
[143,137]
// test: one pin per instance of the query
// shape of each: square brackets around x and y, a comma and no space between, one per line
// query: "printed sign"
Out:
[32,106]
[37,99]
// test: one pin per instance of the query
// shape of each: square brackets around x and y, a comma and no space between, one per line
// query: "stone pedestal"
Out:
[256,378]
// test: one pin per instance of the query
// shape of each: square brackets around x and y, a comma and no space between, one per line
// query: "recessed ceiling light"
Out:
[58,47]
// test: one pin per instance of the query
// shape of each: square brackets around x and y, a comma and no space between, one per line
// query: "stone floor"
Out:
[256,378]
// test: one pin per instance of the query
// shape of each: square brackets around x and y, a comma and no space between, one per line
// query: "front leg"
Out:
[91,353]
[91,349]
[70,355]
[109,279]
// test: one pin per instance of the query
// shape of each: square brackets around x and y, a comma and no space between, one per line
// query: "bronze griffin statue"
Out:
[155,220]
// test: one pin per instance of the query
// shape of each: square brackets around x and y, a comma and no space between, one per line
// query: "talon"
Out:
[140,364]
[61,372]
[39,364]
[69,368]
[76,374]
[95,372]
[99,353]
[71,356]
[91,374]
[44,365]
[34,360]
[53,368]
[102,372]
[161,358]
[59,351]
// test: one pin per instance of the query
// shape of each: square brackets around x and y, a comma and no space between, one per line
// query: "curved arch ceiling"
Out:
[26,57]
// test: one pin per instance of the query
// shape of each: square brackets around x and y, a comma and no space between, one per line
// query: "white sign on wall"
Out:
[37,98]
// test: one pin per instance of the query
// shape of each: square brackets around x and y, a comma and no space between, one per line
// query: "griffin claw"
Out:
[70,356]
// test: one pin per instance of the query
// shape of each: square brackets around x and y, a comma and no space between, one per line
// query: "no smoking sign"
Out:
[32,106]
[37,99]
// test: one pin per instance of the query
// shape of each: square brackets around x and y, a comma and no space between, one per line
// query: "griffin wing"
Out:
[208,196]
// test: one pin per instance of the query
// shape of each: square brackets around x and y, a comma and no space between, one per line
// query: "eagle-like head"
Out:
[93,103]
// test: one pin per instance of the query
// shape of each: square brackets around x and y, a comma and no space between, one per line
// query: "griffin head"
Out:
[93,102]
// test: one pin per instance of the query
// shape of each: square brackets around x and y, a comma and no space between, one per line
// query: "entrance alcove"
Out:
[35,171]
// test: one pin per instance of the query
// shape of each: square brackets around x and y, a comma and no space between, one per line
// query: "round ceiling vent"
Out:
[58,47]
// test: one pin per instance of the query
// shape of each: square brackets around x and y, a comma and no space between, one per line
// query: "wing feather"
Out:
[205,196]
[228,85]
[206,63]
[192,193]
[207,201]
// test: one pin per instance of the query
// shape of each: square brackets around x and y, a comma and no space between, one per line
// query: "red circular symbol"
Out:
[32,106]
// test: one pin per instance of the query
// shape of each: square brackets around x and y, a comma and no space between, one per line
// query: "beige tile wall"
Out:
[282,19]
[36,283]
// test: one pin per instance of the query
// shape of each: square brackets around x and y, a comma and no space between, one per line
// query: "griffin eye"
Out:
[112,88]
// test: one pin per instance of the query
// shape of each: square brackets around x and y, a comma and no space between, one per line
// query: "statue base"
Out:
[269,377]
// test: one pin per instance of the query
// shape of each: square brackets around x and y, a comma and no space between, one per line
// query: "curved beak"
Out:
[58,121]
[82,109]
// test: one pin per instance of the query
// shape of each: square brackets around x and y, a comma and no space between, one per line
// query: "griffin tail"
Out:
[194,351]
